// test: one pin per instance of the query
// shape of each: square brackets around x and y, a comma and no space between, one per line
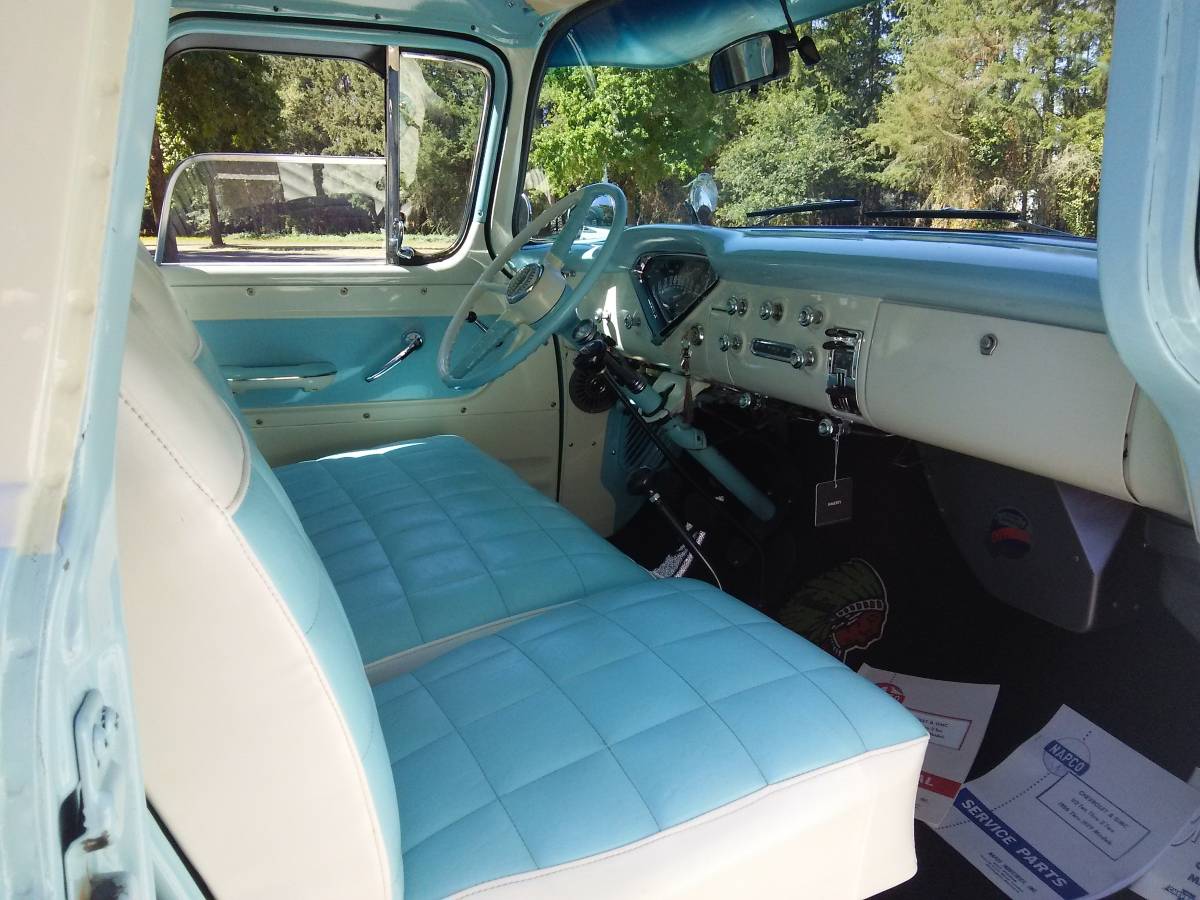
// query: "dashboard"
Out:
[989,345]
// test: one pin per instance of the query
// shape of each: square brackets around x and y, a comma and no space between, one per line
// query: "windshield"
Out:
[994,105]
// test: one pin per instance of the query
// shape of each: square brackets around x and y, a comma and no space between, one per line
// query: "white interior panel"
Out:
[1048,400]
[1153,469]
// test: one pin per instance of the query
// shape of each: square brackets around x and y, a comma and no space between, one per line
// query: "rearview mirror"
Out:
[749,62]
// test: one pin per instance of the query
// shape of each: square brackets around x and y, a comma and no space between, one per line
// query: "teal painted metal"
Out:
[694,442]
[1149,233]
[672,32]
[60,634]
[356,345]
[503,24]
[1051,281]
[408,40]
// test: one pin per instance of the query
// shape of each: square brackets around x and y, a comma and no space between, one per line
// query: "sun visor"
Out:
[669,33]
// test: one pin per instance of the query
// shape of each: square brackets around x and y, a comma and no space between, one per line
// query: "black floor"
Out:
[1136,681]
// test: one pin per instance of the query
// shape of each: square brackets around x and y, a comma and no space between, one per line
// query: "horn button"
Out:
[524,282]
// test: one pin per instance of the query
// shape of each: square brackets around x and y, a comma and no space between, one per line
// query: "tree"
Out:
[786,150]
[647,130]
[801,138]
[999,103]
[328,106]
[449,139]
[212,102]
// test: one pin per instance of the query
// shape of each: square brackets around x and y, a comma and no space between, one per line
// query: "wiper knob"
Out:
[810,316]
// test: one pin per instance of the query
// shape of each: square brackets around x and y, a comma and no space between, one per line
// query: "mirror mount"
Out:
[760,58]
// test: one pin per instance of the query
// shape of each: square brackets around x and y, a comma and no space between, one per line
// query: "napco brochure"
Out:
[1071,813]
[1176,874]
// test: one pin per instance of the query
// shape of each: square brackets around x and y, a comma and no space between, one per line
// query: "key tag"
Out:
[685,366]
[834,500]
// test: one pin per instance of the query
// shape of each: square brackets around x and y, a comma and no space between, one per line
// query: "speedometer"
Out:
[670,285]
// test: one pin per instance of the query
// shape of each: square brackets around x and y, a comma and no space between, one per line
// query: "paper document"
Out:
[1070,813]
[956,717]
[1177,872]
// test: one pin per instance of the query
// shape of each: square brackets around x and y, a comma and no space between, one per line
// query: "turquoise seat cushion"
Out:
[608,720]
[429,538]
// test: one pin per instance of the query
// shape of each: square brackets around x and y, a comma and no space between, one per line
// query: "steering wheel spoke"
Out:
[493,287]
[487,344]
[538,301]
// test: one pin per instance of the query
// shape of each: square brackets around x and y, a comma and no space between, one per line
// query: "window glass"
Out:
[995,105]
[441,114]
[272,158]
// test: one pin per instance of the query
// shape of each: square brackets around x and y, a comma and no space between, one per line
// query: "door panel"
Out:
[357,324]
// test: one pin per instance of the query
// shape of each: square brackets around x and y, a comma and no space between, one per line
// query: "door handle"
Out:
[412,343]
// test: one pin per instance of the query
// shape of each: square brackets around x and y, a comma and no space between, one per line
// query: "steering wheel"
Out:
[537,302]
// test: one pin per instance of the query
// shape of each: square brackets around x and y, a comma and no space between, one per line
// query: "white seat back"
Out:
[261,746]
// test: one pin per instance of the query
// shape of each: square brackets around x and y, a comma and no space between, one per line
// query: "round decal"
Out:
[842,610]
[1010,536]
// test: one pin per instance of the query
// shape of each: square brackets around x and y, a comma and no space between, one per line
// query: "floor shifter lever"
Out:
[641,484]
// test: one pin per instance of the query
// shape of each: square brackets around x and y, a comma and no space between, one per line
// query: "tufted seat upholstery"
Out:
[428,539]
[624,718]
[651,738]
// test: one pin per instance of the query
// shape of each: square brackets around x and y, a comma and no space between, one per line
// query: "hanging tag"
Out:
[685,366]
[833,503]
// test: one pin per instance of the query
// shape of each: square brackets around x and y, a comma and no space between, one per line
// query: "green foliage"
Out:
[328,106]
[786,148]
[446,157]
[1000,103]
[800,138]
[994,103]
[213,101]
[219,102]
[647,130]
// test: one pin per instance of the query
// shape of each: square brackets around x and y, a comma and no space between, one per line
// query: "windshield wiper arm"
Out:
[950,212]
[990,215]
[810,206]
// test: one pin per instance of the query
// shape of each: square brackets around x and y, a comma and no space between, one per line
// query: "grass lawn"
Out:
[315,243]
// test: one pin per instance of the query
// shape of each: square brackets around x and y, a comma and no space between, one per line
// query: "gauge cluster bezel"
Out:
[660,322]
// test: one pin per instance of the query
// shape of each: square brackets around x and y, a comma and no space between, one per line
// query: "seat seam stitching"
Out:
[487,780]
[741,803]
[546,531]
[456,527]
[289,617]
[637,790]
[703,699]
[391,563]
[836,705]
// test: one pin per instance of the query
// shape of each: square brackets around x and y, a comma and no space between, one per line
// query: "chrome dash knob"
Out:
[769,311]
[809,315]
[803,359]
[729,342]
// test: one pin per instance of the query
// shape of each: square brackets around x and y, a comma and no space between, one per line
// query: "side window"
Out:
[272,158]
[441,105]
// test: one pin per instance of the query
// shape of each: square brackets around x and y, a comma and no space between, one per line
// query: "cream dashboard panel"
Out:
[748,335]
[780,345]
[1048,400]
